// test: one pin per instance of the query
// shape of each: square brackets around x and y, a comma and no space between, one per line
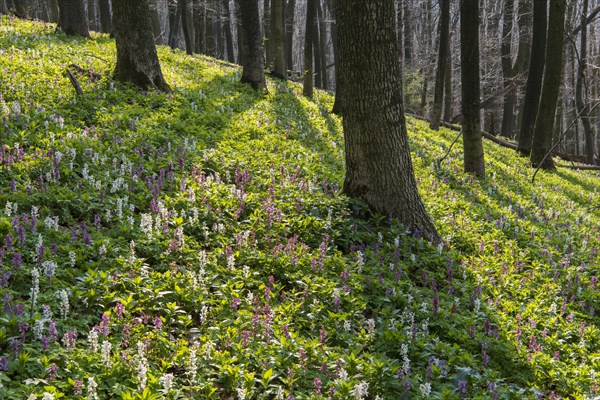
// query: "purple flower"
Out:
[119,309]
[462,387]
[78,388]
[3,363]
[317,383]
[157,323]
[69,339]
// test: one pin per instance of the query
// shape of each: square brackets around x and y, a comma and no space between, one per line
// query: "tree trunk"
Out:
[408,34]
[311,25]
[254,69]
[72,19]
[200,26]
[277,39]
[54,11]
[469,50]
[105,17]
[322,46]
[267,29]
[240,35]
[21,9]
[219,30]
[442,66]
[228,34]
[337,105]
[508,114]
[534,76]
[378,163]
[448,99]
[155,22]
[542,134]
[137,61]
[187,22]
[289,33]
[581,99]
[92,15]
[174,23]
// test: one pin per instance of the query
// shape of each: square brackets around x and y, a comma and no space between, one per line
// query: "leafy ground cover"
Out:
[196,245]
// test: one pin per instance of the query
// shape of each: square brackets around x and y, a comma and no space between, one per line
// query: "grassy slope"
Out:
[256,275]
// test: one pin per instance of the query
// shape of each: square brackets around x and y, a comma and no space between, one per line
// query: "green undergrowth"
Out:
[196,244]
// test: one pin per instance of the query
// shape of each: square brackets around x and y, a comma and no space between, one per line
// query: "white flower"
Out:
[10,209]
[360,391]
[192,367]
[35,286]
[241,393]
[92,388]
[142,366]
[51,223]
[38,329]
[106,348]
[370,327]
[167,382]
[48,396]
[425,389]
[72,259]
[93,340]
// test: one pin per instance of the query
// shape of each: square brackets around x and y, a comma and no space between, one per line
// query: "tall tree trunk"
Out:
[267,29]
[211,37]
[200,26]
[378,163]
[174,23]
[510,92]
[72,19]
[228,33]
[337,105]
[581,99]
[544,123]
[106,18]
[442,66]
[92,15]
[219,30]
[137,61]
[254,70]
[448,100]
[469,50]
[277,39]
[408,34]
[534,76]
[311,25]
[187,22]
[240,34]
[289,33]
[322,46]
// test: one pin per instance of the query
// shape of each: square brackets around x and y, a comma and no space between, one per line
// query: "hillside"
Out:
[196,245]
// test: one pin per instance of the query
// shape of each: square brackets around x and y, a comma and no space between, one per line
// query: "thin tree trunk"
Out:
[267,29]
[408,34]
[542,134]
[510,94]
[137,61]
[92,15]
[534,77]
[322,45]
[469,50]
[442,66]
[448,99]
[21,8]
[277,39]
[228,34]
[337,105]
[253,72]
[72,18]
[174,23]
[211,42]
[582,106]
[200,26]
[289,33]
[378,163]
[219,31]
[187,22]
[308,48]
[54,11]
[105,17]
[155,22]
[240,35]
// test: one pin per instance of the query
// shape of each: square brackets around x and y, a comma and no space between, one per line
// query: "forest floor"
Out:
[196,245]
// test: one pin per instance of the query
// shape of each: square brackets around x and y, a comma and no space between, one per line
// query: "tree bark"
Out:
[187,22]
[542,134]
[105,17]
[408,34]
[469,50]
[337,105]
[322,43]
[92,15]
[228,33]
[510,93]
[240,35]
[311,23]
[378,163]
[155,22]
[254,70]
[267,29]
[442,66]
[289,33]
[448,99]
[580,98]
[54,11]
[137,61]
[200,26]
[72,19]
[21,8]
[219,30]
[174,23]
[278,38]
[534,76]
